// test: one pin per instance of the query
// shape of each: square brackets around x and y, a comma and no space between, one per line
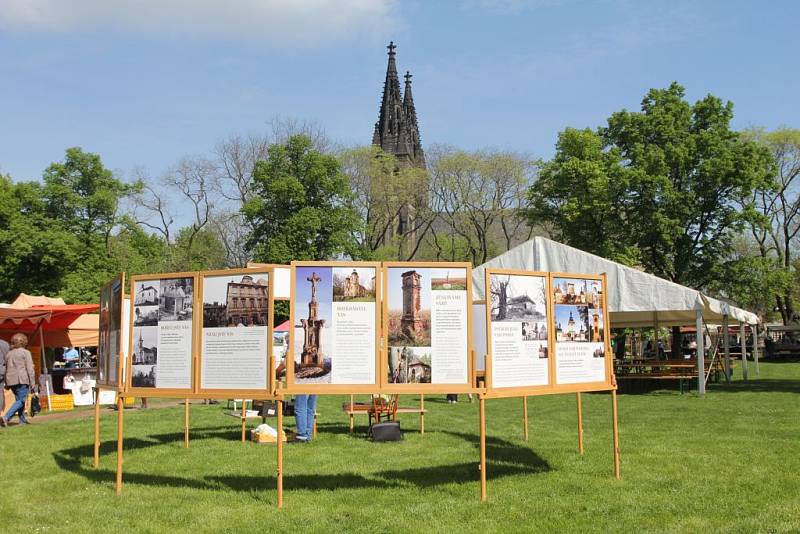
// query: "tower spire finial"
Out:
[408,77]
[391,47]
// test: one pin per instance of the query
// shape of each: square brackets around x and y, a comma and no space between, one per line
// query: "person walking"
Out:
[4,348]
[19,377]
[305,406]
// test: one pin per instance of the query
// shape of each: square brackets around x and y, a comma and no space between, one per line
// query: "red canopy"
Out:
[283,327]
[51,317]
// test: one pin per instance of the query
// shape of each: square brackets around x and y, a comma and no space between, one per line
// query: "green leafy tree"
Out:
[658,188]
[301,207]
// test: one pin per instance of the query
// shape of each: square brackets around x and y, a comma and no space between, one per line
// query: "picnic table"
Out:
[653,369]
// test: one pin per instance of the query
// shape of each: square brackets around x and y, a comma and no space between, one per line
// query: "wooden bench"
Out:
[353,408]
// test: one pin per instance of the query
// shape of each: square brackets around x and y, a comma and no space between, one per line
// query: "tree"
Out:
[477,197]
[775,234]
[658,188]
[383,194]
[302,206]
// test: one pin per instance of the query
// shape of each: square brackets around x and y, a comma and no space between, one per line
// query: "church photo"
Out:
[354,284]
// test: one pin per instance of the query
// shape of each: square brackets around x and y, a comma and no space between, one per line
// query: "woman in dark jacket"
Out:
[20,377]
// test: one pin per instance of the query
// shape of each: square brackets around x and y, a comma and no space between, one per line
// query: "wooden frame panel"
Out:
[609,382]
[259,265]
[270,372]
[333,389]
[119,384]
[190,392]
[518,391]
[386,386]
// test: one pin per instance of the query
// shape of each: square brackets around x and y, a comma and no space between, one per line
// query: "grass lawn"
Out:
[726,462]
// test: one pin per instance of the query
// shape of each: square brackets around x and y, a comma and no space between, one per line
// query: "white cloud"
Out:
[281,22]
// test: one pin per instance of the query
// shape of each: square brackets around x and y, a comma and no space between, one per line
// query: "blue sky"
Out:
[145,83]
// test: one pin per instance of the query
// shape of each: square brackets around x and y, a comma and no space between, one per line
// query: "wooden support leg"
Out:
[616,433]
[422,414]
[352,421]
[120,429]
[525,418]
[244,421]
[483,447]
[186,423]
[96,462]
[580,425]
[279,447]
[314,427]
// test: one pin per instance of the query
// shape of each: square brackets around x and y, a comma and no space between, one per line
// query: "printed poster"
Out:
[580,332]
[428,311]
[235,331]
[162,333]
[519,329]
[334,330]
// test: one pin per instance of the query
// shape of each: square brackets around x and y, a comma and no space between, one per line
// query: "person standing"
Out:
[305,406]
[19,377]
[4,348]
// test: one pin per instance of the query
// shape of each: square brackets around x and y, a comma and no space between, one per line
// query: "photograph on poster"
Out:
[448,279]
[577,291]
[410,307]
[146,293]
[237,300]
[312,331]
[104,346]
[409,365]
[144,356]
[175,299]
[579,323]
[523,299]
[145,316]
[353,284]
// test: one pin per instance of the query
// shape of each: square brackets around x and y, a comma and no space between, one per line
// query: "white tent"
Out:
[635,298]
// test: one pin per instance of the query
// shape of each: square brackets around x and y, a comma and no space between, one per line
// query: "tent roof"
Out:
[635,298]
[283,327]
[52,317]
[28,301]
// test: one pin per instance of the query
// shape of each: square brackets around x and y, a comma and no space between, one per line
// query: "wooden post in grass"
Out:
[352,423]
[743,343]
[186,423]
[96,462]
[755,347]
[279,447]
[483,446]
[244,420]
[525,417]
[422,413]
[701,355]
[580,424]
[120,429]
[726,344]
[614,417]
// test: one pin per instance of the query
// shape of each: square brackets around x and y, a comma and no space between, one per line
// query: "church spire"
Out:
[396,131]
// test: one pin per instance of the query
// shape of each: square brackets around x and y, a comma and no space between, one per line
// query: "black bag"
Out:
[36,405]
[288,409]
[268,409]
[387,431]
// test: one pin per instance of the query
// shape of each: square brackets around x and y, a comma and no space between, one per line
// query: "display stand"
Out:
[96,461]
[580,422]
[525,417]
[120,438]
[279,448]
[483,445]
[186,423]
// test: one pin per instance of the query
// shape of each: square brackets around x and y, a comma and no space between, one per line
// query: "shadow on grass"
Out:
[504,459]
[759,385]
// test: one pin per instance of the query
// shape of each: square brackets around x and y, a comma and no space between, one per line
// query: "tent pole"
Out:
[755,347]
[726,344]
[743,343]
[701,366]
[655,335]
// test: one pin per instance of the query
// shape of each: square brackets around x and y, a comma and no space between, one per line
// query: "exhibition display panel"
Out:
[334,335]
[236,332]
[110,353]
[427,328]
